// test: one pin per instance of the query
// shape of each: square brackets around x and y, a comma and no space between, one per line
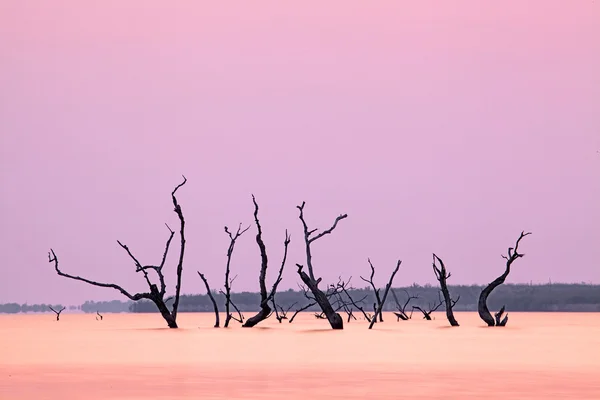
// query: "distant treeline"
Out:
[516,297]
[14,308]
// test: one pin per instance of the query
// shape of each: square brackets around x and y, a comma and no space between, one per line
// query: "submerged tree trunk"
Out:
[335,320]
[482,308]
[442,276]
[265,297]
[212,299]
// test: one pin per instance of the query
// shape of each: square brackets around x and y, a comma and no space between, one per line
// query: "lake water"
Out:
[132,356]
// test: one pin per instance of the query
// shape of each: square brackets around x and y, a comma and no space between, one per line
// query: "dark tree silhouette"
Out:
[401,313]
[57,312]
[351,302]
[155,294]
[280,312]
[442,276]
[379,309]
[99,316]
[370,282]
[265,297]
[229,281]
[432,308]
[484,313]
[212,299]
[335,320]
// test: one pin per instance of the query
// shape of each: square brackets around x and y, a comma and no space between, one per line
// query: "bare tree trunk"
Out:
[155,295]
[377,298]
[335,320]
[265,298]
[212,299]
[442,276]
[57,312]
[385,294]
[484,312]
[228,281]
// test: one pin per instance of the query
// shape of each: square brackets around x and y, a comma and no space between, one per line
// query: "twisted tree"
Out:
[442,276]
[57,312]
[229,281]
[265,297]
[156,295]
[335,320]
[482,308]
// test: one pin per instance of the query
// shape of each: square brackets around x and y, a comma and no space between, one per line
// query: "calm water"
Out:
[131,356]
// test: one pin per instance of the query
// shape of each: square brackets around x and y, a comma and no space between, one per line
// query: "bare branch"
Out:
[212,299]
[52,258]
[385,294]
[177,209]
[57,312]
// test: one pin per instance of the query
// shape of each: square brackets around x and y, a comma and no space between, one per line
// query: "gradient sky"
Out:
[442,127]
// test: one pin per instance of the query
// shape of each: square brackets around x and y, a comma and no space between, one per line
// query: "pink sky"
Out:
[442,127]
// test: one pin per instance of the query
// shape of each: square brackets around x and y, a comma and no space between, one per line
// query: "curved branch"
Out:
[52,258]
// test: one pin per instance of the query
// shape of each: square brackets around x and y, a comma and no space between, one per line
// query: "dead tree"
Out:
[212,299]
[335,320]
[306,307]
[370,282]
[156,295]
[401,313]
[355,304]
[484,313]
[98,315]
[385,294]
[442,276]
[280,313]
[432,308]
[265,297]
[57,312]
[229,281]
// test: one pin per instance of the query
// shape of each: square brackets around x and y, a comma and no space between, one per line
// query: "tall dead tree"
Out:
[335,320]
[370,282]
[442,276]
[484,313]
[265,297]
[379,309]
[229,281]
[212,298]
[57,312]
[156,295]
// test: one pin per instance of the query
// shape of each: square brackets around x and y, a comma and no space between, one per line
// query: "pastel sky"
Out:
[442,127]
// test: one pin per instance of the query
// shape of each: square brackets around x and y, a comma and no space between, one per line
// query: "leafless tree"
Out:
[335,320]
[401,313]
[229,281]
[212,299]
[57,312]
[351,302]
[432,308]
[280,312]
[265,297]
[99,316]
[156,295]
[379,309]
[375,290]
[442,276]
[484,313]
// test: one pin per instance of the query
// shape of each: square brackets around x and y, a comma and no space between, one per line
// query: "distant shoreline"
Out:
[549,297]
